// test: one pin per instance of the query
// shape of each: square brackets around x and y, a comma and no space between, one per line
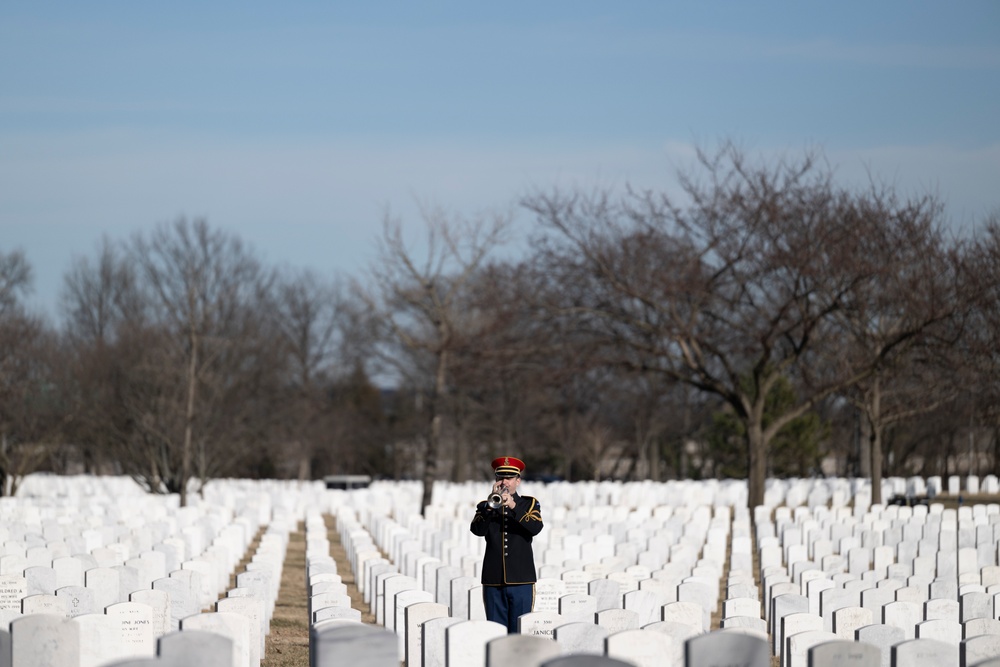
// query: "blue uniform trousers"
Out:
[505,604]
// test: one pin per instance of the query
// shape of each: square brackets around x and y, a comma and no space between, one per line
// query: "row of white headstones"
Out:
[94,572]
[628,571]
[902,581]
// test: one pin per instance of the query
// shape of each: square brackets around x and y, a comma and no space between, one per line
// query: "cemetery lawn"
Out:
[288,643]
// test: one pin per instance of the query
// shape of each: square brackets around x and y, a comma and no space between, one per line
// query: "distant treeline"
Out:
[764,321]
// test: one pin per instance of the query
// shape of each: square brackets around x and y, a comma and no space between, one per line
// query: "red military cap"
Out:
[507,466]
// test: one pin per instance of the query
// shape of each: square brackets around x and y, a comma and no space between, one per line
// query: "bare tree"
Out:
[100,302]
[418,296]
[29,418]
[981,343]
[902,317]
[99,297]
[309,314]
[205,290]
[519,382]
[644,406]
[15,280]
[730,292]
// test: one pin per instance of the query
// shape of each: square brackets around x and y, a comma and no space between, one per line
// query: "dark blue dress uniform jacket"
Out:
[509,559]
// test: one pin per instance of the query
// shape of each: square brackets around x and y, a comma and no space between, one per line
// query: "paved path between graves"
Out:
[288,643]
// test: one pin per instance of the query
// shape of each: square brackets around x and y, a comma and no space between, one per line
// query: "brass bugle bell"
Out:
[494,501]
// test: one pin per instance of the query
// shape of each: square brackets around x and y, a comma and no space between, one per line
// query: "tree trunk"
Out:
[875,439]
[756,464]
[655,469]
[458,446]
[305,466]
[996,448]
[864,445]
[189,418]
[3,469]
[433,451]
[430,463]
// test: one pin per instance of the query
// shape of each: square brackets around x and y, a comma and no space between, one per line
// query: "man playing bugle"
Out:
[508,521]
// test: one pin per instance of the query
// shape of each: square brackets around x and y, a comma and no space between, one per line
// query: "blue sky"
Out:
[298,124]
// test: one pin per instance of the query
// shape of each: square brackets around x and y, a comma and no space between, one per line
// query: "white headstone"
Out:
[924,652]
[644,649]
[233,627]
[720,649]
[101,640]
[433,642]
[13,589]
[521,650]
[580,638]
[43,640]
[135,622]
[465,642]
[159,603]
[253,610]
[415,615]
